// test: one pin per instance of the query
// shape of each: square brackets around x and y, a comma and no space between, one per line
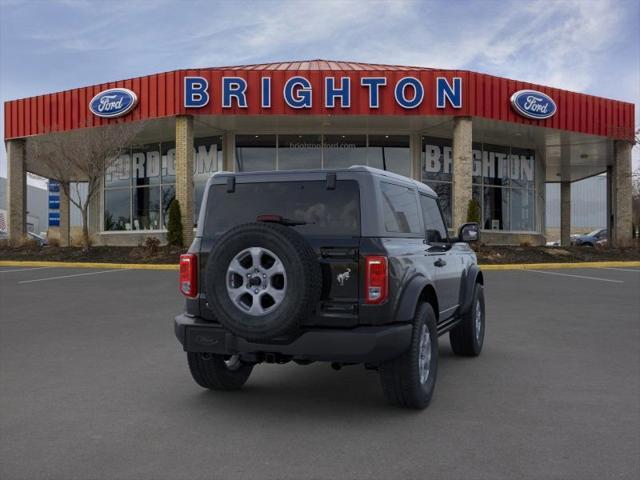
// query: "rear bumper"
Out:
[359,345]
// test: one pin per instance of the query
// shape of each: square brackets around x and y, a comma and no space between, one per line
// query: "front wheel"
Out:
[218,372]
[467,337]
[409,380]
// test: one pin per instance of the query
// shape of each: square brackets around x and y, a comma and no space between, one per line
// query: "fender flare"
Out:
[410,297]
[472,276]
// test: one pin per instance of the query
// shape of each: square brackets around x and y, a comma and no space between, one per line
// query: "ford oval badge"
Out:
[533,104]
[114,102]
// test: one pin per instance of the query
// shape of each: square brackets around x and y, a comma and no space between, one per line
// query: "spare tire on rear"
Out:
[262,280]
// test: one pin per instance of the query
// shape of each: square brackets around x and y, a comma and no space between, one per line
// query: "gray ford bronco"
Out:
[344,266]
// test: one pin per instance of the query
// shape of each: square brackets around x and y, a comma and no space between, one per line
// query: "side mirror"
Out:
[469,232]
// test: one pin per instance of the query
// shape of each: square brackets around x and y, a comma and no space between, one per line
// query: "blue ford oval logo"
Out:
[114,102]
[533,104]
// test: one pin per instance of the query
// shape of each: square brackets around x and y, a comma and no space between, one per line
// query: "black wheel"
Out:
[262,280]
[218,372]
[468,336]
[409,380]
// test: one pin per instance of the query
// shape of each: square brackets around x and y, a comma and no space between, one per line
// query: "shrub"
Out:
[473,211]
[54,242]
[152,246]
[525,244]
[29,244]
[174,225]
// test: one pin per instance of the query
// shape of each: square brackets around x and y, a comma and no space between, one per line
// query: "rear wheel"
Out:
[218,372]
[262,280]
[409,380]
[467,337]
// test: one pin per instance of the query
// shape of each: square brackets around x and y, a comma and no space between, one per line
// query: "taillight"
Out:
[376,279]
[189,275]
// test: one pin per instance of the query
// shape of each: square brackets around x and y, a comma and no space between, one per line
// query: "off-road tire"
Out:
[400,377]
[463,338]
[210,371]
[303,274]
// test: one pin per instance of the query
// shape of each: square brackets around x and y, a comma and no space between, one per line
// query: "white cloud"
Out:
[582,45]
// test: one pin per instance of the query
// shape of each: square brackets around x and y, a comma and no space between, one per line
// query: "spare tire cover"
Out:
[262,280]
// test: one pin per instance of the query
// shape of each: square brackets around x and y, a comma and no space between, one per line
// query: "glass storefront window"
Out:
[168,195]
[436,159]
[503,177]
[496,171]
[118,174]
[522,209]
[255,153]
[145,165]
[390,152]
[342,151]
[496,208]
[117,215]
[146,208]
[207,161]
[522,162]
[297,152]
[168,162]
[495,165]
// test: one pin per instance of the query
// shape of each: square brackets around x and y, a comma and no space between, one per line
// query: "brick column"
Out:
[184,174]
[65,217]
[621,185]
[462,169]
[565,213]
[16,191]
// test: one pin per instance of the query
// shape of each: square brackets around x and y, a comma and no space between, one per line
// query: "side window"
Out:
[433,222]
[400,209]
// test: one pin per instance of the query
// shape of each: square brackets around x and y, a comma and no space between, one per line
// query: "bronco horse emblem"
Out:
[343,277]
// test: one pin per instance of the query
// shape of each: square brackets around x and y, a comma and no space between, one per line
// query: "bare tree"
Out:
[82,156]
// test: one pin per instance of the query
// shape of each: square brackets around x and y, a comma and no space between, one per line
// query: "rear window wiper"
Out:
[281,220]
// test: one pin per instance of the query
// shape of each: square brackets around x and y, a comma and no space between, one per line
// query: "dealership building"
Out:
[469,136]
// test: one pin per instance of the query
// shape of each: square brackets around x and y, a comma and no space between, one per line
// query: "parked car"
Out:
[345,266]
[42,240]
[591,238]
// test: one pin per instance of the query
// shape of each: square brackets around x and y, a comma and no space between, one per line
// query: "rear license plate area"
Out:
[200,339]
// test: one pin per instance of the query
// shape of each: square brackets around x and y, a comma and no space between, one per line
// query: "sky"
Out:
[581,45]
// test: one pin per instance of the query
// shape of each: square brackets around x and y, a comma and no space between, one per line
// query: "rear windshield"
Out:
[326,212]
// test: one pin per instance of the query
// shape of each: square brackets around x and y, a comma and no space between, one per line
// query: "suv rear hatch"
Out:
[325,212]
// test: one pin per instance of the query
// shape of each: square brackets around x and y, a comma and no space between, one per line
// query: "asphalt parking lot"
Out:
[93,385]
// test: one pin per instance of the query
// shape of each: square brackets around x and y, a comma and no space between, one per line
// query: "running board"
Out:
[448,324]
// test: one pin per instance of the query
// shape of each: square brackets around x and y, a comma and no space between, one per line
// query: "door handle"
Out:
[440,263]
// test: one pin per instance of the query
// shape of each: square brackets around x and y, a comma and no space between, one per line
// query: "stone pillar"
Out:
[621,184]
[16,191]
[229,152]
[565,213]
[415,144]
[65,216]
[462,169]
[184,174]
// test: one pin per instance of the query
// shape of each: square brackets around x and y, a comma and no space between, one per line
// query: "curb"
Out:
[123,266]
[165,266]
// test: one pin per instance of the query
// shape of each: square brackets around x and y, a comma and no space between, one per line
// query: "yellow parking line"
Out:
[165,266]
[130,266]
